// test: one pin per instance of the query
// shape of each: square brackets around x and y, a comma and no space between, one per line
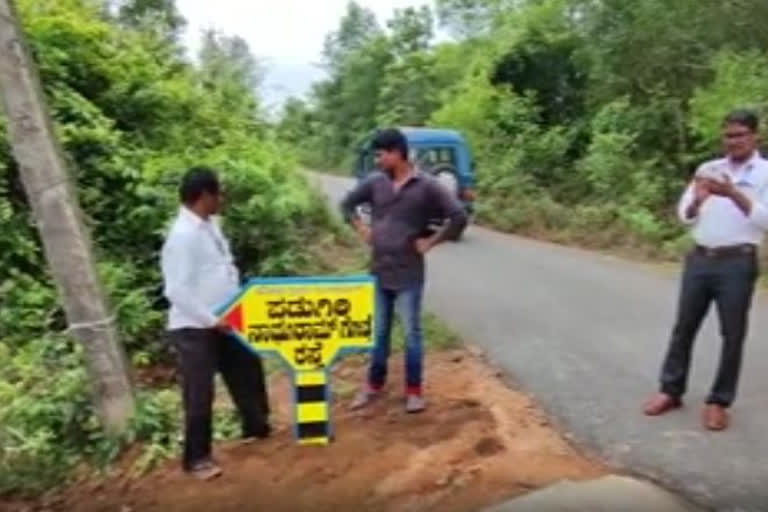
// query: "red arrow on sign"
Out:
[235,318]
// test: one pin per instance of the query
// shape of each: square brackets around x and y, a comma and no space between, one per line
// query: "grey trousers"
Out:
[729,282]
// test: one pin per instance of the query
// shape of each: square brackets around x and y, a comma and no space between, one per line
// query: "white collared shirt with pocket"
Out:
[199,273]
[720,222]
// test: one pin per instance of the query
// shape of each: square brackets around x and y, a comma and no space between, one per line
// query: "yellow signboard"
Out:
[309,323]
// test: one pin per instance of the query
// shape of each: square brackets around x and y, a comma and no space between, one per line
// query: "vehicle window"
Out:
[367,164]
[427,158]
[364,163]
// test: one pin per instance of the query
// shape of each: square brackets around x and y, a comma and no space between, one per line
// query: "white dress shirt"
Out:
[198,271]
[720,222]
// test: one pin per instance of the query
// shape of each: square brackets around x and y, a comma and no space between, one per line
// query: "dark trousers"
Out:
[201,353]
[729,281]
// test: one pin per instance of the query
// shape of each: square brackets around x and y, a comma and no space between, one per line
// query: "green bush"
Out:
[132,114]
[740,82]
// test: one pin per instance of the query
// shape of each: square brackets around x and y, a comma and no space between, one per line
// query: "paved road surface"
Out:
[609,494]
[584,334]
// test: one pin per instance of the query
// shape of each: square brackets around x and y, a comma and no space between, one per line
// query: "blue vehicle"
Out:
[444,154]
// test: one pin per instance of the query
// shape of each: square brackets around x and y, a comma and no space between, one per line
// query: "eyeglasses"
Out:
[737,135]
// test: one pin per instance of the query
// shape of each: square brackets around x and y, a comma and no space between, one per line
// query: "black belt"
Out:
[726,251]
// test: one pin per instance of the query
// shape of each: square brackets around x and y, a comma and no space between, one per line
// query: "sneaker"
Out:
[205,470]
[364,399]
[415,404]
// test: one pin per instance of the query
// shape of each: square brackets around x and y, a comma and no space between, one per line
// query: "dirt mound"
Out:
[479,443]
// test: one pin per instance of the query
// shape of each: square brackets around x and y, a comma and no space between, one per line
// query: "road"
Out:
[584,334]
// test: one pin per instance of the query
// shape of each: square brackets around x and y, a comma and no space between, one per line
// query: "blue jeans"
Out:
[407,303]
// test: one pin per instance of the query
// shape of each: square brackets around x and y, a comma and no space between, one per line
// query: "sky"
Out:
[286,35]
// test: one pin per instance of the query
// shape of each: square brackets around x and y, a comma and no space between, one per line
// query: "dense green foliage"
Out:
[586,116]
[132,114]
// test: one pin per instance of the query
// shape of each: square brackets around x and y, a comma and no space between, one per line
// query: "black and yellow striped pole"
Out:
[313,425]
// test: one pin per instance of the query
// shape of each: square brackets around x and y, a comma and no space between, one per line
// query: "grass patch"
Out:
[437,335]
[336,254]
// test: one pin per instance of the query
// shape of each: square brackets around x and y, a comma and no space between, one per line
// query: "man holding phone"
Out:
[726,206]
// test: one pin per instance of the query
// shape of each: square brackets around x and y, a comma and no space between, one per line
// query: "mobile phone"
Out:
[714,172]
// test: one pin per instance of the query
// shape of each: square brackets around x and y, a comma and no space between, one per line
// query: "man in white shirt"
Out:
[726,206]
[199,274]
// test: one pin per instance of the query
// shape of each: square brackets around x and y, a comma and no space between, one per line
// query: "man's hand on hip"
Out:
[424,245]
[363,231]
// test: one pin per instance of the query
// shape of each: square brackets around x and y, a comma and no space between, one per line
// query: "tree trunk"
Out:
[66,242]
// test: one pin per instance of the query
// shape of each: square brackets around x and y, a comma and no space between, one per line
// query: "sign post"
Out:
[309,323]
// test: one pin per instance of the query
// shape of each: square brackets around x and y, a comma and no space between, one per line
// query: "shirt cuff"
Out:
[683,215]
[688,221]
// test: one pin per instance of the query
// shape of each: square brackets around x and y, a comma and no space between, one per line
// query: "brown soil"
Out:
[478,444]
